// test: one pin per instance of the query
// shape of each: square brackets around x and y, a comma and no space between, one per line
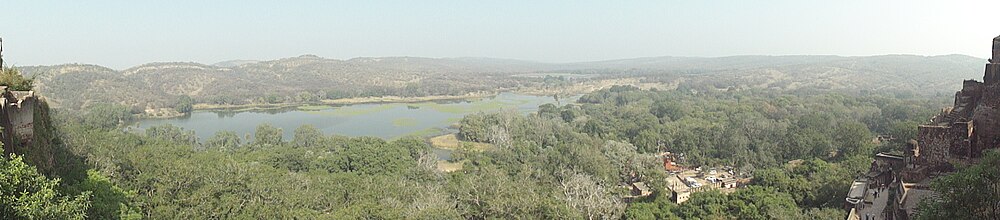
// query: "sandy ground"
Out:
[445,166]
[451,142]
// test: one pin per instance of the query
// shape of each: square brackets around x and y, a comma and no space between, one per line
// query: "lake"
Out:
[384,120]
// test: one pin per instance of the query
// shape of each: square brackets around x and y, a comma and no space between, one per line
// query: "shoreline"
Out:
[572,90]
[341,101]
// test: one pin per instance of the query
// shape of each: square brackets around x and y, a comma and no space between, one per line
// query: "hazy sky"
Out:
[121,34]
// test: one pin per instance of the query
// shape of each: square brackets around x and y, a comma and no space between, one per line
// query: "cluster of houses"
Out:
[682,181]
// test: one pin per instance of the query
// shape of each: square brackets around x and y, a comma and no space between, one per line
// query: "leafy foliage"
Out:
[741,128]
[970,193]
[27,194]
[172,133]
[813,183]
[754,202]
[226,141]
[185,104]
[267,135]
[107,116]
[108,200]
[15,81]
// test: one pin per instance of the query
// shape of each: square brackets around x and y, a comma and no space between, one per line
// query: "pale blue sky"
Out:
[121,34]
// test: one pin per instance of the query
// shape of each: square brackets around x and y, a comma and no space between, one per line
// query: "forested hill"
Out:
[311,78]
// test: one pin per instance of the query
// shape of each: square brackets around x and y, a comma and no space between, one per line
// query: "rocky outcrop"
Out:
[971,125]
[955,137]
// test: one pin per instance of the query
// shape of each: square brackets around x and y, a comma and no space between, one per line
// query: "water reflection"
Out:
[384,120]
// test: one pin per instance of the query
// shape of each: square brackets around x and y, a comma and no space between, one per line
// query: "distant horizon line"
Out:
[7,63]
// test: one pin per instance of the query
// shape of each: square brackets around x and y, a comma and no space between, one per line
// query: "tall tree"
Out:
[267,135]
[306,135]
[223,141]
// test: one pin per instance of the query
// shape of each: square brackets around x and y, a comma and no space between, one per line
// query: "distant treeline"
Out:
[308,78]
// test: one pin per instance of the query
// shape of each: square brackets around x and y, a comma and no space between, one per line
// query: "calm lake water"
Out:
[387,120]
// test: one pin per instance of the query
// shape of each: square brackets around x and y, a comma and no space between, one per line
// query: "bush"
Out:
[27,194]
[12,78]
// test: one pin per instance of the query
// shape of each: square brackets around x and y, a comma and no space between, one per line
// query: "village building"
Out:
[681,184]
[637,190]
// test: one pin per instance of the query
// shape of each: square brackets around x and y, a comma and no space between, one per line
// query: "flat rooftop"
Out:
[913,193]
[857,192]
[690,180]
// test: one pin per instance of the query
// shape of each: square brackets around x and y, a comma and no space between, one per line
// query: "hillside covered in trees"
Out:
[312,79]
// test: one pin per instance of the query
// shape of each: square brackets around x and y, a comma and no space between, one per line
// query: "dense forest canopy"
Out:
[570,161]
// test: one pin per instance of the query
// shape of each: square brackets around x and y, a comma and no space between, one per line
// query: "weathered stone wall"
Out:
[986,117]
[935,142]
[22,120]
[990,76]
[6,136]
[17,119]
[986,128]
[996,50]
[960,145]
[972,124]
[966,100]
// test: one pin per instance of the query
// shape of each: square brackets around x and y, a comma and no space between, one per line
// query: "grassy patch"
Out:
[453,120]
[478,106]
[422,133]
[242,108]
[355,110]
[314,107]
[404,122]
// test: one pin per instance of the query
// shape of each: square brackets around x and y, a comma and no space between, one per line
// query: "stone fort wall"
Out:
[971,125]
[17,111]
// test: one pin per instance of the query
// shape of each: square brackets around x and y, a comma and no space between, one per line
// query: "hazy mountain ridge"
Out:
[234,63]
[309,77]
[926,75]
